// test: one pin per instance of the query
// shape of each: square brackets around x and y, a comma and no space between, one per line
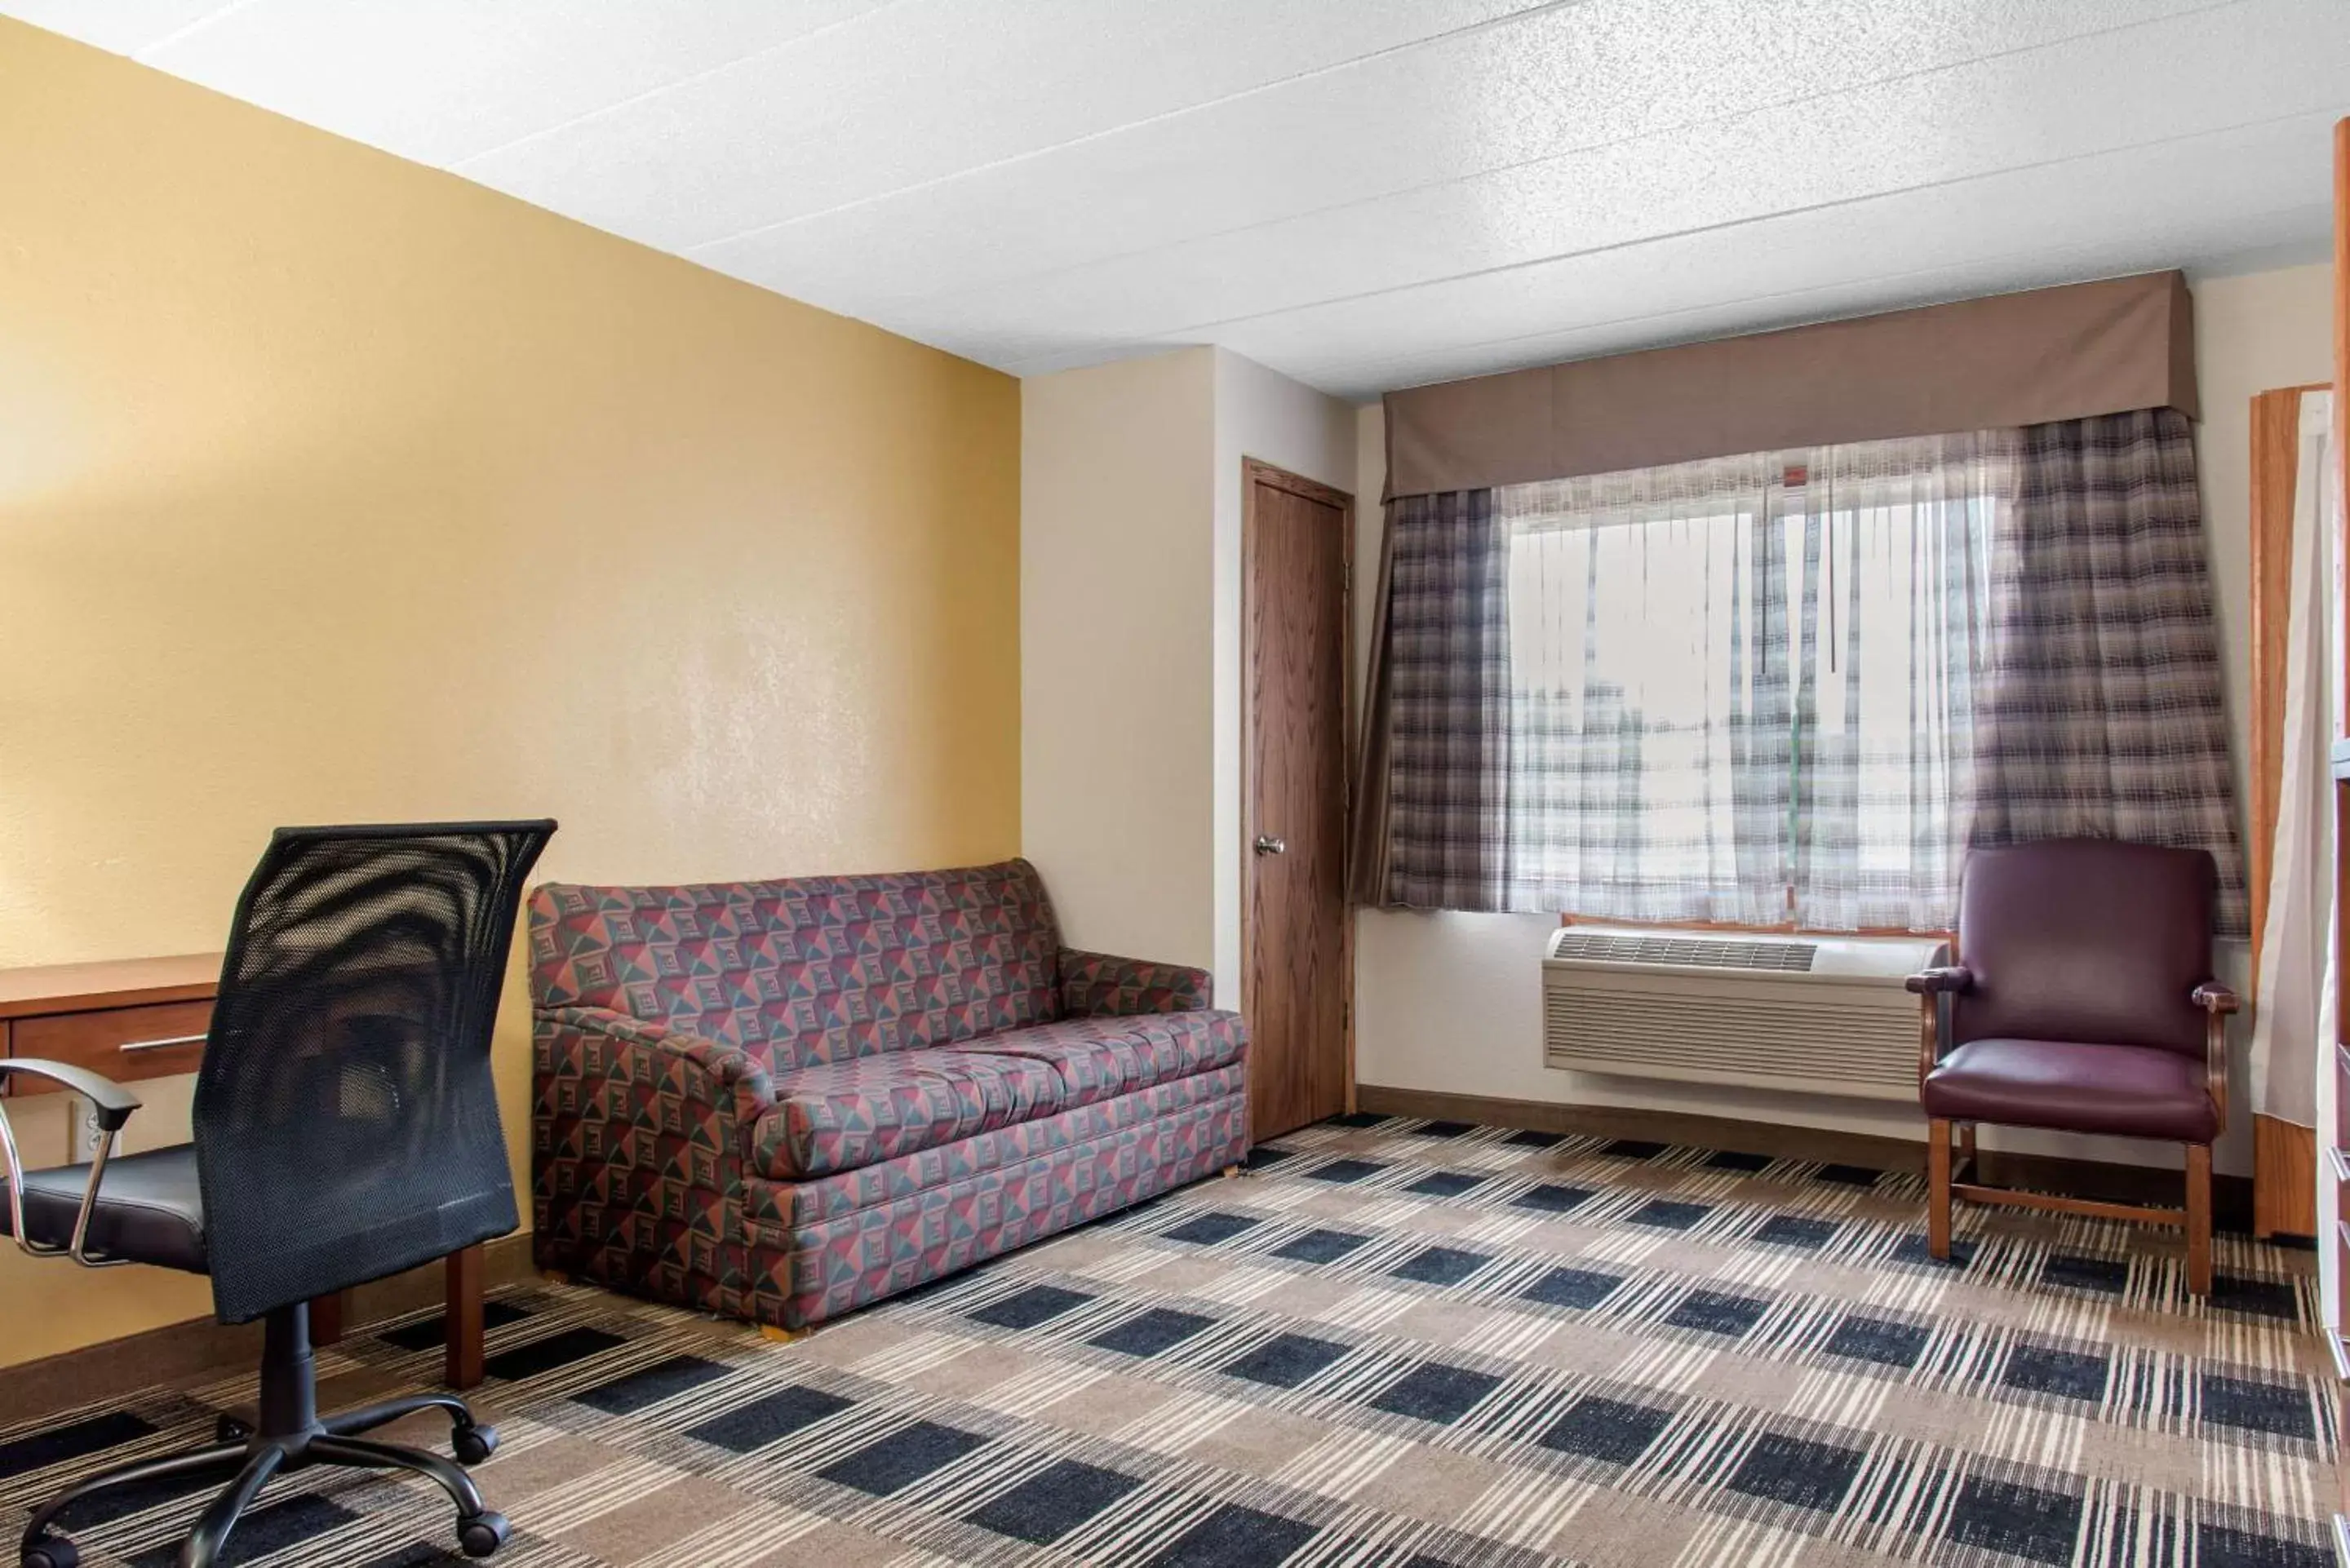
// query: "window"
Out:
[1742,689]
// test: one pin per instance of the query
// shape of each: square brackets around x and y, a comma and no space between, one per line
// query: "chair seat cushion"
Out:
[845,1116]
[151,1208]
[2131,1091]
[1101,1058]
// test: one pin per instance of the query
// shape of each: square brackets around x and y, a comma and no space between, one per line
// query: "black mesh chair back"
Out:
[346,1122]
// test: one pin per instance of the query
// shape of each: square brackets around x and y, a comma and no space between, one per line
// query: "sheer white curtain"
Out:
[1895,590]
[1741,689]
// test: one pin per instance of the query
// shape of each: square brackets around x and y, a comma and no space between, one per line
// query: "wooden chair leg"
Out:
[327,1320]
[1938,1181]
[2198,1219]
[1966,1151]
[462,1320]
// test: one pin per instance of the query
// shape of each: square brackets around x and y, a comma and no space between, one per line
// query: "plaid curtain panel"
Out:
[1447,667]
[1798,685]
[2105,716]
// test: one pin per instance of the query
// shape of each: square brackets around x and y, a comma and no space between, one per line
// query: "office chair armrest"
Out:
[1950,977]
[114,1105]
[2214,998]
[114,1102]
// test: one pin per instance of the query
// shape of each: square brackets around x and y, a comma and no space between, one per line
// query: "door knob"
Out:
[1266,844]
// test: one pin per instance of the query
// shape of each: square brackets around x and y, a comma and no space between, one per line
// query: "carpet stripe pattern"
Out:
[1392,1343]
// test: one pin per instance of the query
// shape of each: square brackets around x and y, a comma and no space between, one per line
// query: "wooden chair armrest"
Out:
[1952,978]
[2215,998]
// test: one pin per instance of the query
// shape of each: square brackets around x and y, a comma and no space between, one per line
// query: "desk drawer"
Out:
[121,1043]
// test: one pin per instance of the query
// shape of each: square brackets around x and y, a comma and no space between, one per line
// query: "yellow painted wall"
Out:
[336,489]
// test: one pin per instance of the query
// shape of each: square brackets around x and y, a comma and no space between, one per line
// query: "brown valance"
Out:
[2067,353]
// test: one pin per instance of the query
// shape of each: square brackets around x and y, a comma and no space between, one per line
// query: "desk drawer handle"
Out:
[162,1044]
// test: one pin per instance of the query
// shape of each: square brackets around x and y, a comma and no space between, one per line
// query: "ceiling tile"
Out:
[442,80]
[2186,75]
[121,27]
[1535,87]
[927,89]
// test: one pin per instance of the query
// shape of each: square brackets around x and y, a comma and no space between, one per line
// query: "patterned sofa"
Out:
[781,1100]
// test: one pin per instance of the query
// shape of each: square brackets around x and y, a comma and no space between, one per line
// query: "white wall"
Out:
[1130,637]
[1452,1001]
[1117,618]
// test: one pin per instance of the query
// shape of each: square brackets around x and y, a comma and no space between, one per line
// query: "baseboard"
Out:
[2232,1196]
[180,1352]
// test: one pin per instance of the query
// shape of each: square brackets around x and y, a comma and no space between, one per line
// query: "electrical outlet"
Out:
[86,1133]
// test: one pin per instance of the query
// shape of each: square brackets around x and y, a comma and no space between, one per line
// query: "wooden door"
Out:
[1297,549]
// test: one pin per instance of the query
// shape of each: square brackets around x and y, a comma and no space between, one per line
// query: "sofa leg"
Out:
[1230,1171]
[1938,1182]
[782,1336]
[2198,1219]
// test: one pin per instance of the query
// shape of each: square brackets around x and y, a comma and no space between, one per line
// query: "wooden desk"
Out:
[145,1018]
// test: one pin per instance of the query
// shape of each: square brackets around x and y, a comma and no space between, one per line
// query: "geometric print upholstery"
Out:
[840,1116]
[810,970]
[1096,985]
[782,1100]
[1097,1059]
[844,1116]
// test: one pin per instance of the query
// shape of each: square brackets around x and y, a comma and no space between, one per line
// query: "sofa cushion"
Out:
[816,969]
[1099,1058]
[845,1116]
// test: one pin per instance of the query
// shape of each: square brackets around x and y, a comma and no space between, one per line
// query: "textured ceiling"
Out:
[1363,194]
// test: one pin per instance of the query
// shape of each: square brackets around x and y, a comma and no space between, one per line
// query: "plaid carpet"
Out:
[1393,1342]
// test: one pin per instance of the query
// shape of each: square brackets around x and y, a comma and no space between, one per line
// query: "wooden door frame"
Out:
[1255,472]
[2284,1156]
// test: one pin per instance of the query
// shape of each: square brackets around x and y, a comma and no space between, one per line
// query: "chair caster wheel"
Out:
[54,1551]
[482,1534]
[474,1444]
[229,1429]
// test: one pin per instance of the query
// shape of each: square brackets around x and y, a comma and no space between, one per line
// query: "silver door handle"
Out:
[1266,844]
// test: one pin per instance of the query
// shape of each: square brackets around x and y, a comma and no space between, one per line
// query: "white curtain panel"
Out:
[1741,689]
[2294,996]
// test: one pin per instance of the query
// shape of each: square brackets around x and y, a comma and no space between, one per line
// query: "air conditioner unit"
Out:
[1818,1014]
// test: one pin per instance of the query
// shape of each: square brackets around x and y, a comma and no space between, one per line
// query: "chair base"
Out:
[1946,1180]
[290,1436]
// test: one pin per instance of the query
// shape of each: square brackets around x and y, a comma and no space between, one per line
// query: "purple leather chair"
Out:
[2083,1002]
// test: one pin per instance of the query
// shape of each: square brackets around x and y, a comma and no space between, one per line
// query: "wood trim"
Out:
[1253,472]
[2342,343]
[2276,465]
[2284,1178]
[2057,1203]
[2096,1179]
[464,1275]
[1256,470]
[115,982]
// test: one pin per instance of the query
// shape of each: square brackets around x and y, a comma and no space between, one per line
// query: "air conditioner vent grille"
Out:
[1686,951]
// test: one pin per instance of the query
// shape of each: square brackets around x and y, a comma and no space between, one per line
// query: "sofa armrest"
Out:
[1099,985]
[640,1139]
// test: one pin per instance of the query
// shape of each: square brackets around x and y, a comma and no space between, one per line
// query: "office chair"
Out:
[345,1127]
[2083,1001]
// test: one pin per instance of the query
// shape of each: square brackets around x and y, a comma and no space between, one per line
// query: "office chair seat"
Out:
[149,1209]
